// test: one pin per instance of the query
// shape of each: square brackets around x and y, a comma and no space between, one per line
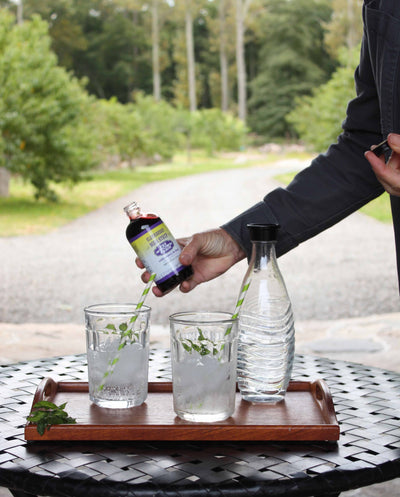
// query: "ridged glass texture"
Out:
[266,331]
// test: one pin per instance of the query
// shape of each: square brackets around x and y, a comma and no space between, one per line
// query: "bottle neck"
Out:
[263,253]
[133,211]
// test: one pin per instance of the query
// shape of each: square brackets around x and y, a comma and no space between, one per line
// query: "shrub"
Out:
[318,118]
[43,133]
[215,130]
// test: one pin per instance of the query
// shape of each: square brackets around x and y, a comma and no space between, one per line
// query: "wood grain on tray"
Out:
[306,414]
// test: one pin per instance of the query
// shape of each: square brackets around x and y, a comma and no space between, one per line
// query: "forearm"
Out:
[335,185]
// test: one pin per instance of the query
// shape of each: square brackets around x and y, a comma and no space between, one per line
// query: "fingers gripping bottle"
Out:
[156,248]
[266,337]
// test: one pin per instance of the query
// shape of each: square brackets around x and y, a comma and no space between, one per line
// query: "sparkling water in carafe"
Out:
[266,336]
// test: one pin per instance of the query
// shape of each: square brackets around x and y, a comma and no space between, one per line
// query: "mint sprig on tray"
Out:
[46,414]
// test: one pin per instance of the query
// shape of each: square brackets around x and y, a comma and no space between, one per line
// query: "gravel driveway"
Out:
[347,271]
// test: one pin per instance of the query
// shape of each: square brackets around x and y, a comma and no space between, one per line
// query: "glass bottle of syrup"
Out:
[156,248]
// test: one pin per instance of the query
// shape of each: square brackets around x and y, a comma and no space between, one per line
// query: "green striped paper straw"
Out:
[125,335]
[143,296]
[239,302]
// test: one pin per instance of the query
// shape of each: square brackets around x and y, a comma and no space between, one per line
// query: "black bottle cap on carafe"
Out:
[263,232]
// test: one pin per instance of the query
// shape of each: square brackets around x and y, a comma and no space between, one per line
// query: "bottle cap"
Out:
[263,232]
[129,207]
[382,148]
[132,210]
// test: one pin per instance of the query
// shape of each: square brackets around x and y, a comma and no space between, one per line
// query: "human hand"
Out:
[388,174]
[210,253]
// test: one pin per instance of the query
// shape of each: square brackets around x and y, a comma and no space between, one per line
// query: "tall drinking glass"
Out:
[203,355]
[117,339]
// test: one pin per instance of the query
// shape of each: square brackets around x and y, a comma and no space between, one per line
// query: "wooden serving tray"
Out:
[306,414]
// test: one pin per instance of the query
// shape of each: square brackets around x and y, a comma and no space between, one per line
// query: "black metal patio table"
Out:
[367,404]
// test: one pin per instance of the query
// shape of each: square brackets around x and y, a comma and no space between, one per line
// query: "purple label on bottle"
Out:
[164,248]
[158,250]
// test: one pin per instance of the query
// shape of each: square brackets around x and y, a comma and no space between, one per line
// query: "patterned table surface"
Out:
[367,404]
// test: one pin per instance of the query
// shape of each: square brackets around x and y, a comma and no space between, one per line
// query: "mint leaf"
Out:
[201,347]
[46,414]
[187,347]
[45,404]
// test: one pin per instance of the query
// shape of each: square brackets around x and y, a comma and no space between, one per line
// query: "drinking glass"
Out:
[117,340]
[203,355]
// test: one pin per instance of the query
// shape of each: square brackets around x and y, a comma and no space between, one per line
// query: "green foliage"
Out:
[214,130]
[100,40]
[158,120]
[202,345]
[110,44]
[52,131]
[46,414]
[42,109]
[317,118]
[118,56]
[345,27]
[136,132]
[293,60]
[145,130]
[119,130]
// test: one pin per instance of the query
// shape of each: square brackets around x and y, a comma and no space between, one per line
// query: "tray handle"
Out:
[46,390]
[323,397]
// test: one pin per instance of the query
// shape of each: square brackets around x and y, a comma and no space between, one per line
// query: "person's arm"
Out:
[336,183]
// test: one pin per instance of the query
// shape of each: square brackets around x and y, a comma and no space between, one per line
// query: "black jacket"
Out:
[341,181]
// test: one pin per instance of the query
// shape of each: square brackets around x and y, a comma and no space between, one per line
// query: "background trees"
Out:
[345,27]
[317,118]
[211,53]
[292,61]
[254,59]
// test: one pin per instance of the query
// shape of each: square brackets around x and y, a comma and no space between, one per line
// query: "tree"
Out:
[190,55]
[101,40]
[183,51]
[317,118]
[293,61]
[108,42]
[189,37]
[223,57]
[345,26]
[155,43]
[42,109]
[118,58]
[220,58]
[66,34]
[241,11]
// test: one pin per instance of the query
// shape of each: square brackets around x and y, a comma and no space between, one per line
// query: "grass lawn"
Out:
[21,214]
[378,209]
